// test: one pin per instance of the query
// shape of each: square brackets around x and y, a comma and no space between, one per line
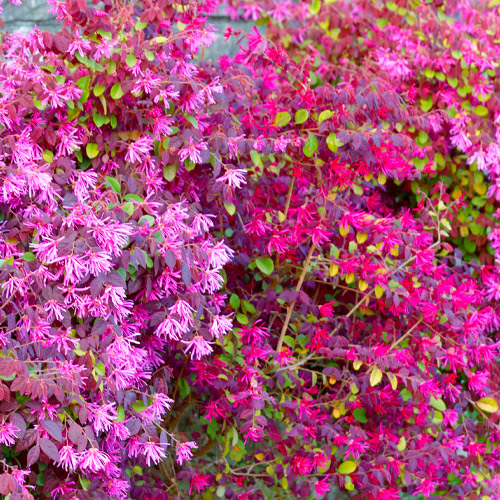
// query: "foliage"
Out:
[150,199]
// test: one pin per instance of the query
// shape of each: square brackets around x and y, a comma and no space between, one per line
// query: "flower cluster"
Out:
[245,278]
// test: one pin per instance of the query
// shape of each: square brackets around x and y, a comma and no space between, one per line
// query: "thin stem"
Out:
[292,305]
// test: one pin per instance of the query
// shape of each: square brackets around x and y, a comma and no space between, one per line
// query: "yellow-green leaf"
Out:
[357,364]
[347,467]
[282,119]
[489,405]
[315,7]
[92,150]
[301,116]
[481,110]
[401,446]
[375,377]
[99,90]
[393,380]
[131,60]
[117,91]
[324,115]
[48,156]
[310,146]
[231,209]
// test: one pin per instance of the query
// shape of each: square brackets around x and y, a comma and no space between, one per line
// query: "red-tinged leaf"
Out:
[186,274]
[16,419]
[74,433]
[7,484]
[49,448]
[83,414]
[33,455]
[81,443]
[53,429]
[4,393]
[47,39]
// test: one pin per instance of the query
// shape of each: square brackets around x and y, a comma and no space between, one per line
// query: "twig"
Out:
[292,305]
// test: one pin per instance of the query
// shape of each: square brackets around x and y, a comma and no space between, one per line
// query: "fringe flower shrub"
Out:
[243,278]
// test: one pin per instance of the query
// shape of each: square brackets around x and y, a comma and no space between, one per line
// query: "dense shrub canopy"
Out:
[266,276]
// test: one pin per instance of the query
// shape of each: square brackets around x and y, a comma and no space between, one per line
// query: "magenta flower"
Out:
[102,416]
[68,458]
[8,433]
[184,451]
[234,177]
[192,151]
[199,481]
[93,460]
[154,452]
[198,346]
[322,487]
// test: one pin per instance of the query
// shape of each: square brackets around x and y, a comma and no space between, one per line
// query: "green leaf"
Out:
[347,467]
[84,482]
[315,7]
[139,405]
[248,307]
[193,121]
[38,104]
[114,184]
[301,116]
[140,26]
[116,91]
[133,197]
[360,415]
[265,265]
[100,369]
[83,82]
[147,218]
[111,67]
[131,60]
[128,208]
[169,172]
[242,319]
[231,209]
[184,388]
[99,90]
[324,115]
[92,150]
[282,119]
[28,256]
[235,301]
[438,404]
[256,158]
[311,145]
[426,104]
[332,142]
[481,110]
[99,120]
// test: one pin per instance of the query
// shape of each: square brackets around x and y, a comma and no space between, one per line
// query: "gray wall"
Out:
[35,12]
